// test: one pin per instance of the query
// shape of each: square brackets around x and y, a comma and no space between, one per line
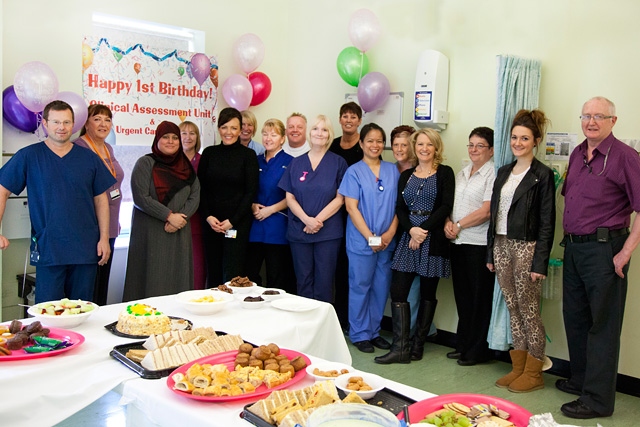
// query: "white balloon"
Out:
[35,85]
[364,29]
[248,52]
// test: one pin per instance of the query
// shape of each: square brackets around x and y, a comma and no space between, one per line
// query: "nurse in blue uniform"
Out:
[314,230]
[369,188]
[268,237]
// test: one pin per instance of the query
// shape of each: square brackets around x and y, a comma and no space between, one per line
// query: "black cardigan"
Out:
[445,183]
[532,215]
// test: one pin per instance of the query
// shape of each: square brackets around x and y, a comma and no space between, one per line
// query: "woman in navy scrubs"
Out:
[314,229]
[268,237]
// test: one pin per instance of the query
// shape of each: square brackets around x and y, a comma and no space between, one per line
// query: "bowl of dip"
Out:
[352,415]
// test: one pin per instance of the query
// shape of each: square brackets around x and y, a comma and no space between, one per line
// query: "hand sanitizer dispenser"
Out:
[431,90]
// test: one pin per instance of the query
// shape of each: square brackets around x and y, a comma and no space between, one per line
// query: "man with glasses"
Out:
[601,191]
[68,207]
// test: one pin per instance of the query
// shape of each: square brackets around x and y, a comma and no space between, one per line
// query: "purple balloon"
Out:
[373,91]
[200,67]
[80,111]
[237,92]
[17,114]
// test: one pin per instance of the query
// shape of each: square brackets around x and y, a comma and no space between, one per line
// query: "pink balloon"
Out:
[373,91]
[200,66]
[35,85]
[80,111]
[248,52]
[237,92]
[261,85]
[364,29]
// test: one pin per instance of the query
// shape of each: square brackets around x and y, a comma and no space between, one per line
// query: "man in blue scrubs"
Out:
[68,206]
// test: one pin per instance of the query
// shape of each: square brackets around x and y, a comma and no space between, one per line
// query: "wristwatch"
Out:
[459,226]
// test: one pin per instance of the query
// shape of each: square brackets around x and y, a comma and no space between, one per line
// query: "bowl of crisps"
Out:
[64,313]
[364,384]
[204,302]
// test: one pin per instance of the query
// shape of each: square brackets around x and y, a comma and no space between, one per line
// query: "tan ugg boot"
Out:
[531,379]
[518,360]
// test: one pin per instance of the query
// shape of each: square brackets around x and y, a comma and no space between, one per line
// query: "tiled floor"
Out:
[434,373]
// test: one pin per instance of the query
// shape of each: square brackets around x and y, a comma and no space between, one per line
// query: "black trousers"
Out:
[225,257]
[278,266]
[401,285]
[593,308]
[341,285]
[473,291]
[101,288]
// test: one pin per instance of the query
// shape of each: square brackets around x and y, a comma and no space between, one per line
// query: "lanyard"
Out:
[109,165]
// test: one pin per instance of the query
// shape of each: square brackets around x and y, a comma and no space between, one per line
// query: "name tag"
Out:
[115,194]
[231,234]
[375,241]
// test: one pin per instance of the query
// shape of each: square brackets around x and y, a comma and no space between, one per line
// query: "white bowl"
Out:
[65,320]
[242,290]
[328,367]
[251,305]
[273,297]
[210,301]
[340,415]
[376,383]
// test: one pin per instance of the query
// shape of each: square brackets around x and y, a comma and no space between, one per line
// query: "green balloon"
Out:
[181,70]
[117,55]
[352,65]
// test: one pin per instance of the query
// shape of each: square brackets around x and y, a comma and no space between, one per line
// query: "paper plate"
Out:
[228,358]
[295,304]
[419,410]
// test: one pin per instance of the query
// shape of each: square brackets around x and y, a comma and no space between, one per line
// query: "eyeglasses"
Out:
[478,146]
[604,166]
[597,117]
[66,123]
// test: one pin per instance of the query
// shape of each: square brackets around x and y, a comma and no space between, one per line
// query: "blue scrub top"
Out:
[378,207]
[272,230]
[61,205]
[313,190]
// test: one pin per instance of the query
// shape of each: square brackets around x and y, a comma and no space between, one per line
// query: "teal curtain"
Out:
[518,87]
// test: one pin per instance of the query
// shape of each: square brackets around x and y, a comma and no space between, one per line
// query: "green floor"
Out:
[437,374]
[434,373]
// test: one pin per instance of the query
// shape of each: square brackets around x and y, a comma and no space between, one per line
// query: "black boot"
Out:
[425,317]
[401,320]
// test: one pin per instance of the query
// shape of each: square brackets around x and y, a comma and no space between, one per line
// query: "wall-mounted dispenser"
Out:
[431,90]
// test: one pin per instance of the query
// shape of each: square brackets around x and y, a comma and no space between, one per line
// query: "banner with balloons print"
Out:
[144,85]
[353,64]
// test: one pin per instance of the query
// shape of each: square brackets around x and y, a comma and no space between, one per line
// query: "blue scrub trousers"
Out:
[369,284]
[315,266]
[73,281]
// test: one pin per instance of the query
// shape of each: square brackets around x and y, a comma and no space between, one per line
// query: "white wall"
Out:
[587,48]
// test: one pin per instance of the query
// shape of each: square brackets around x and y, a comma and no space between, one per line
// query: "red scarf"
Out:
[171,173]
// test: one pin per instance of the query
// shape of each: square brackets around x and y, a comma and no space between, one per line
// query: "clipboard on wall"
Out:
[387,117]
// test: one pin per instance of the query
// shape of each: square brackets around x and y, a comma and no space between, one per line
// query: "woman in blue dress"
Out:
[425,200]
[268,237]
[369,188]
[314,231]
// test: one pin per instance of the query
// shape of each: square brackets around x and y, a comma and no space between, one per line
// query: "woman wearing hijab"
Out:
[166,193]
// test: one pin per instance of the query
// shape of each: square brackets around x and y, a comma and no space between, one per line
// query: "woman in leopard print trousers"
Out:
[519,243]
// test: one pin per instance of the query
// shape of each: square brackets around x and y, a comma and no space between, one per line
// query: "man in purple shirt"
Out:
[602,190]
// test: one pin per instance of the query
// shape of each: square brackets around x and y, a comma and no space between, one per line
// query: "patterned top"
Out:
[506,197]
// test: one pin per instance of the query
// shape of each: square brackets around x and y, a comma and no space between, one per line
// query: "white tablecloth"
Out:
[48,390]
[152,403]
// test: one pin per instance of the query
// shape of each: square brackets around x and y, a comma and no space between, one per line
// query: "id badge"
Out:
[375,241]
[231,233]
[115,194]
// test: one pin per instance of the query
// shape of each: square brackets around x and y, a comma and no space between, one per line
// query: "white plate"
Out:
[273,297]
[295,304]
[240,290]
[326,367]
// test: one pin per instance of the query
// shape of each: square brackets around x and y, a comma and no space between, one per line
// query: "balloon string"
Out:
[361,65]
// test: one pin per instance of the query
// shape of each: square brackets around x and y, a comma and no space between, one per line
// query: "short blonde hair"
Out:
[435,139]
[276,125]
[249,117]
[187,124]
[327,124]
